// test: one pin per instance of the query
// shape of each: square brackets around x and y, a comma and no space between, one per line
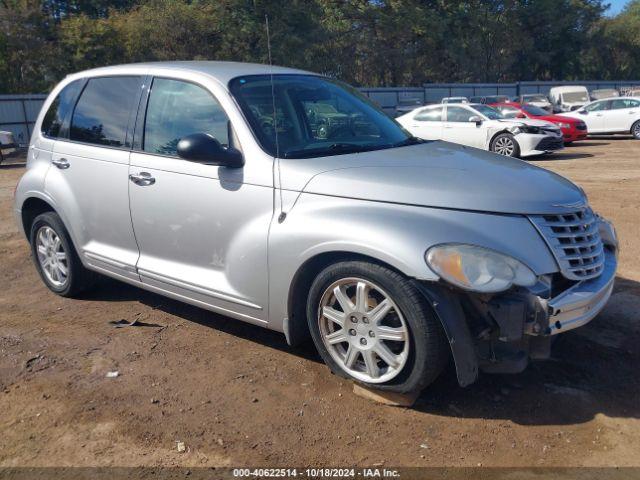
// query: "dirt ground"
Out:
[236,395]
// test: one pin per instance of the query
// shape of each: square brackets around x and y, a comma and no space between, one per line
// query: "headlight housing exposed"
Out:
[564,125]
[478,269]
[525,129]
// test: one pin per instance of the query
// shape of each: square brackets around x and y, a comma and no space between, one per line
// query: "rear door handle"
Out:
[61,163]
[143,179]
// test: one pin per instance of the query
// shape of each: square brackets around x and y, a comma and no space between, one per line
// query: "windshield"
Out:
[535,98]
[535,111]
[314,116]
[490,113]
[575,97]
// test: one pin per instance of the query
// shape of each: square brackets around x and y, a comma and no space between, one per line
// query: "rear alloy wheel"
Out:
[372,325]
[505,144]
[635,130]
[55,257]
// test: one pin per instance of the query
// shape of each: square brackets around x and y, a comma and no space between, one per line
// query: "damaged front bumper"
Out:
[501,333]
[579,304]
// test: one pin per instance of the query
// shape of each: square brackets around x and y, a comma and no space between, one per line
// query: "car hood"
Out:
[436,174]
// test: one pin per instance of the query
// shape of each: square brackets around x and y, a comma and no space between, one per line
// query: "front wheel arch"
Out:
[296,328]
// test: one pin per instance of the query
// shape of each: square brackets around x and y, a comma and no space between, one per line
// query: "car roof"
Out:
[222,71]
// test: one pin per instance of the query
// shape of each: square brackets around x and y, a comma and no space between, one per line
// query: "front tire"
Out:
[55,257]
[372,325]
[505,144]
[635,130]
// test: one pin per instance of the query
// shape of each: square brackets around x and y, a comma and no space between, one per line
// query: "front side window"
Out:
[597,106]
[59,109]
[102,113]
[458,114]
[176,109]
[624,103]
[429,115]
[301,116]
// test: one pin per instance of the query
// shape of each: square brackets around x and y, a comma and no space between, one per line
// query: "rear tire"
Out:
[505,144]
[635,130]
[56,258]
[377,329]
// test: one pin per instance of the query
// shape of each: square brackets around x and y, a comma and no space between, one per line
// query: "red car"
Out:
[572,128]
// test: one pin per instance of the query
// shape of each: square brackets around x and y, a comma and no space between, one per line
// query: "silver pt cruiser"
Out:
[286,199]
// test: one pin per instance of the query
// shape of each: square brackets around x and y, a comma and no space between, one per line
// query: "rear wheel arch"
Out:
[31,208]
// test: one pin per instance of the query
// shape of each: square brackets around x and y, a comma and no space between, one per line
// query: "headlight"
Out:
[525,129]
[478,269]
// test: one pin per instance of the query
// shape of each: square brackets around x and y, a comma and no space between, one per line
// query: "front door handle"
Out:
[61,163]
[143,179]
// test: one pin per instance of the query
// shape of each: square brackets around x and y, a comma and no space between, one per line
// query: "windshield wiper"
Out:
[333,149]
[408,141]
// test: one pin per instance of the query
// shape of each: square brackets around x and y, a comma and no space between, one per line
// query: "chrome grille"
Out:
[575,242]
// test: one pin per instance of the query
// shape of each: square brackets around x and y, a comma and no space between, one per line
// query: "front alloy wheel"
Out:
[363,330]
[504,145]
[373,325]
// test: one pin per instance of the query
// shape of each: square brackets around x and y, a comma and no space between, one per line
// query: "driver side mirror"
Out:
[204,148]
[476,119]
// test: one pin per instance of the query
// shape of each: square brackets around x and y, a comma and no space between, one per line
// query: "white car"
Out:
[481,126]
[611,115]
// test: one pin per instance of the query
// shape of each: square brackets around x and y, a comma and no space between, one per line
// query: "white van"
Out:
[568,98]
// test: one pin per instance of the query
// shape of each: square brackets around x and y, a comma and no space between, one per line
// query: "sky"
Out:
[616,6]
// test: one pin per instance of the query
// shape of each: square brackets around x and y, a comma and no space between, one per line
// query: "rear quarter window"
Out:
[59,109]
[102,113]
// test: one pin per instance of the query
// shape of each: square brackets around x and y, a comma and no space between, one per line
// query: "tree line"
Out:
[363,42]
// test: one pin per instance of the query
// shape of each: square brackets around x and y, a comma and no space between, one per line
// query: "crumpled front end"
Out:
[514,326]
[510,328]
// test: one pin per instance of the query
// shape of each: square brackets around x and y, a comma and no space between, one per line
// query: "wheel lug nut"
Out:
[365,320]
[371,334]
[363,341]
[352,332]
[354,319]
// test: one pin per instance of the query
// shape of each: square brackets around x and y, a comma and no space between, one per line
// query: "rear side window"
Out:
[624,103]
[429,115]
[59,109]
[102,113]
[177,109]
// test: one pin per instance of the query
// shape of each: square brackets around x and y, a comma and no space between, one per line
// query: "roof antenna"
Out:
[282,215]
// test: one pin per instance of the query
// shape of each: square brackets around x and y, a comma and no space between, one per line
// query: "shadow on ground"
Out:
[592,369]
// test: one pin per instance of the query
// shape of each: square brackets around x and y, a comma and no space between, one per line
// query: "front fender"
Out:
[397,235]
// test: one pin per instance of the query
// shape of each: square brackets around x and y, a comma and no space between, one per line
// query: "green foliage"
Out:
[364,42]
